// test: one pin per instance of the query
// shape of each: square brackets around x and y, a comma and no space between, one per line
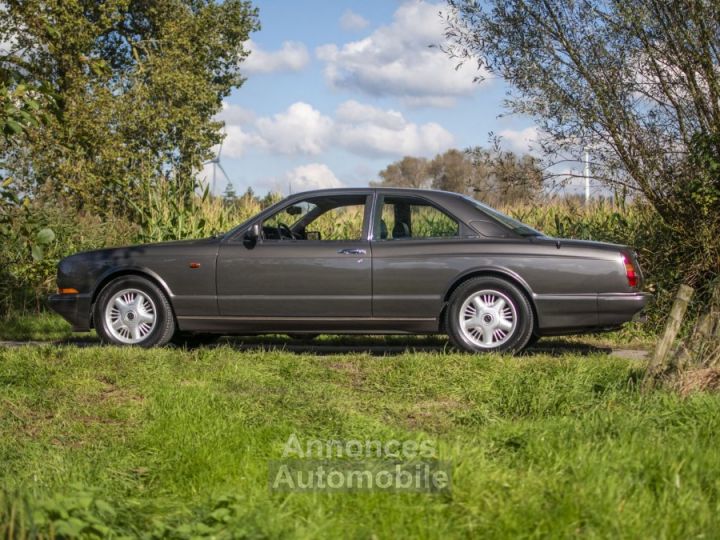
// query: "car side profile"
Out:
[362,261]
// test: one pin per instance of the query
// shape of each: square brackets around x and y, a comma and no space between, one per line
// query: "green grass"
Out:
[176,443]
[42,326]
[633,335]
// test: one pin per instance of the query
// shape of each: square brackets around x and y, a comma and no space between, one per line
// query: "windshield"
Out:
[513,224]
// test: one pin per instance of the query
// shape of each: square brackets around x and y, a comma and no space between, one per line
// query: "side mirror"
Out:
[251,236]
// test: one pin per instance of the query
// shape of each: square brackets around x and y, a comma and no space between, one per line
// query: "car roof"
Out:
[418,191]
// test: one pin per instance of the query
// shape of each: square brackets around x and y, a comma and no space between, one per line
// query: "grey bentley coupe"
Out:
[369,261]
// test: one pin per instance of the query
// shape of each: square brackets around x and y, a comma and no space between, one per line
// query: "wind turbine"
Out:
[217,165]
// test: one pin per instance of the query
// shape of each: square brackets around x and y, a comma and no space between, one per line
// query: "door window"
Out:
[409,218]
[338,218]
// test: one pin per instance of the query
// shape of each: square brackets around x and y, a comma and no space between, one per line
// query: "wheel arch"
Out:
[115,273]
[500,273]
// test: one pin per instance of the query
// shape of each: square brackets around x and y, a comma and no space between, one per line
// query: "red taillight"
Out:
[630,272]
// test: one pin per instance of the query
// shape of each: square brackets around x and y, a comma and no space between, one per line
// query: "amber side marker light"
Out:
[68,290]
[632,276]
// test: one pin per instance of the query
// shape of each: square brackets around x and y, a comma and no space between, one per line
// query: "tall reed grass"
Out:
[24,282]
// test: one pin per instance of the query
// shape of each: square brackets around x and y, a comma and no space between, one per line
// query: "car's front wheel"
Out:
[131,310]
[489,314]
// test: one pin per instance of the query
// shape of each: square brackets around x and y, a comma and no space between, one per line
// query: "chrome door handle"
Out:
[352,251]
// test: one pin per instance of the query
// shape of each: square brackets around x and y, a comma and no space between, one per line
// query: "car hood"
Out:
[146,249]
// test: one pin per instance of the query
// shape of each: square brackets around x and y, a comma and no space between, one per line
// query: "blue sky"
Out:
[336,91]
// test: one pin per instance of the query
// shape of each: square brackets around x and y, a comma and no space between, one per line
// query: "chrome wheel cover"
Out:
[488,319]
[130,316]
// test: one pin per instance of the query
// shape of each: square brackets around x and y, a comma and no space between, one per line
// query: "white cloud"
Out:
[396,60]
[368,130]
[353,112]
[356,127]
[292,56]
[237,141]
[519,141]
[234,114]
[310,176]
[352,21]
[238,136]
[301,129]
[211,176]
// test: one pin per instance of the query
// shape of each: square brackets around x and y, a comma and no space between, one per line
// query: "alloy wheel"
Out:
[487,318]
[130,316]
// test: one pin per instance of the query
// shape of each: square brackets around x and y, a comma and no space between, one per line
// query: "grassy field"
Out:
[175,443]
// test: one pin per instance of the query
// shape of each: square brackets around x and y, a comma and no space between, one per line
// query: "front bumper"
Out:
[619,308]
[74,308]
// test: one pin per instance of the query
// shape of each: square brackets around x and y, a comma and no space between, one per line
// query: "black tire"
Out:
[515,340]
[533,340]
[164,322]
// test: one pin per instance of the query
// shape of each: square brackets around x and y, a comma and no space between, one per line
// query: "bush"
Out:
[28,275]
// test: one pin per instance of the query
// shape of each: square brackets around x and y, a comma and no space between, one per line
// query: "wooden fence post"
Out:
[662,350]
[713,338]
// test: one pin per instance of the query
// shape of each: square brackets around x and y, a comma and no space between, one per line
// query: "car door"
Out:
[414,256]
[315,274]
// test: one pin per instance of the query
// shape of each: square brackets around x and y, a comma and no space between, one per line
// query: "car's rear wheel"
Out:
[533,340]
[489,314]
[131,310]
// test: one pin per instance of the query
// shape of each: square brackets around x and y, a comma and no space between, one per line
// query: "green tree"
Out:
[23,106]
[502,177]
[452,171]
[637,81]
[409,172]
[230,195]
[492,175]
[137,84]
[249,198]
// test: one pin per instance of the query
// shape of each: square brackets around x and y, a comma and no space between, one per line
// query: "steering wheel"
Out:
[284,231]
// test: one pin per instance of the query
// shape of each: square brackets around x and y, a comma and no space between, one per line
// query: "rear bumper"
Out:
[575,313]
[619,308]
[74,308]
